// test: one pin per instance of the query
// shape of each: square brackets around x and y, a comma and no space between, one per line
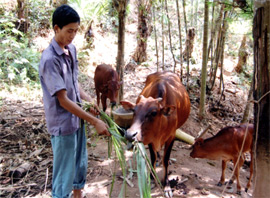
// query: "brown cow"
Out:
[162,107]
[226,145]
[107,83]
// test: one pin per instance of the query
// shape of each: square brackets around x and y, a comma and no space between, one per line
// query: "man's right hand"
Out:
[102,128]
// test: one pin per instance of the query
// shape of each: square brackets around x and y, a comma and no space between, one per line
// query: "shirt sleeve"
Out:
[52,77]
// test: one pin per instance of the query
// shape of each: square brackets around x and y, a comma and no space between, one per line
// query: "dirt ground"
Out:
[24,137]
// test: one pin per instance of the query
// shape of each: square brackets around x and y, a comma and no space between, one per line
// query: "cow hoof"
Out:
[219,184]
[246,190]
[238,192]
[230,182]
[168,192]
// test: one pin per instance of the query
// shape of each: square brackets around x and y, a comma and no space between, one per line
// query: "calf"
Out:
[226,145]
[161,108]
[107,83]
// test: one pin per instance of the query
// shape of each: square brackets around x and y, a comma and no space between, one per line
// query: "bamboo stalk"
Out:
[181,135]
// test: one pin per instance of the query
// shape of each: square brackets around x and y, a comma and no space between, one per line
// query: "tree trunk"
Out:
[180,39]
[210,47]
[169,31]
[242,56]
[155,31]
[57,3]
[89,36]
[144,30]
[162,29]
[204,63]
[247,108]
[219,49]
[191,14]
[121,6]
[189,44]
[213,38]
[185,18]
[22,13]
[261,32]
[196,17]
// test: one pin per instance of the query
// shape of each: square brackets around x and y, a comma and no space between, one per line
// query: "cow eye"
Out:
[153,113]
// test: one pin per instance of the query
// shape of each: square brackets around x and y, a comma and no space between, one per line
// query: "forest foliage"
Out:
[19,57]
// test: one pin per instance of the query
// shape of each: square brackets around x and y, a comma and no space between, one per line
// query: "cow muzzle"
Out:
[130,135]
[113,104]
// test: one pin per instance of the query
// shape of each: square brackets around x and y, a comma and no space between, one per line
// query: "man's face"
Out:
[65,35]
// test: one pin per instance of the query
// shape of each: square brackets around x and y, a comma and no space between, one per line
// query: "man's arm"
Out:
[83,95]
[73,108]
[95,109]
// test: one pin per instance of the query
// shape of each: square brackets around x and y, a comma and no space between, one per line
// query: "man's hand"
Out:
[102,128]
[94,110]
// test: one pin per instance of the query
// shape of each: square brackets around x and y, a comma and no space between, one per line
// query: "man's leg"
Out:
[63,165]
[81,162]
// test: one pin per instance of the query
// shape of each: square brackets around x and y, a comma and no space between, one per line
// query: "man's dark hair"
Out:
[65,15]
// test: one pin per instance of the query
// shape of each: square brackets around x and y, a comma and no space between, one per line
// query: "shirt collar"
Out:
[57,48]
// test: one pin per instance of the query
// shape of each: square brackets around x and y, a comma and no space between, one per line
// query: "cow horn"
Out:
[141,96]
[159,99]
[203,132]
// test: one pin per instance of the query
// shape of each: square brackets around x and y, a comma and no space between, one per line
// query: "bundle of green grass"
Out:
[144,167]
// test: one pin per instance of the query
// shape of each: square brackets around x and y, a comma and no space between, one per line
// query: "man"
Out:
[58,72]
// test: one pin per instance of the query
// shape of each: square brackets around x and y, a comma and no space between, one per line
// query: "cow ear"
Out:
[127,105]
[168,110]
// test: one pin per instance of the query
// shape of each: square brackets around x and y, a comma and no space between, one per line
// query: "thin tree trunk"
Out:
[261,32]
[162,29]
[204,64]
[170,37]
[247,108]
[210,47]
[184,11]
[191,14]
[185,19]
[242,56]
[219,50]
[224,31]
[189,44]
[180,39]
[121,6]
[155,32]
[221,82]
[196,16]
[213,38]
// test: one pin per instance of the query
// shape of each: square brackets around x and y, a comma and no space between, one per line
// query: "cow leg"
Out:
[251,171]
[98,97]
[222,178]
[236,173]
[103,101]
[153,155]
[166,158]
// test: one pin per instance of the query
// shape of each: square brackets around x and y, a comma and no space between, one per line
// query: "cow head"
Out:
[112,88]
[197,150]
[149,114]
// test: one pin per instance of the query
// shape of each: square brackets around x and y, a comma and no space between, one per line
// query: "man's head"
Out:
[64,15]
[66,23]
